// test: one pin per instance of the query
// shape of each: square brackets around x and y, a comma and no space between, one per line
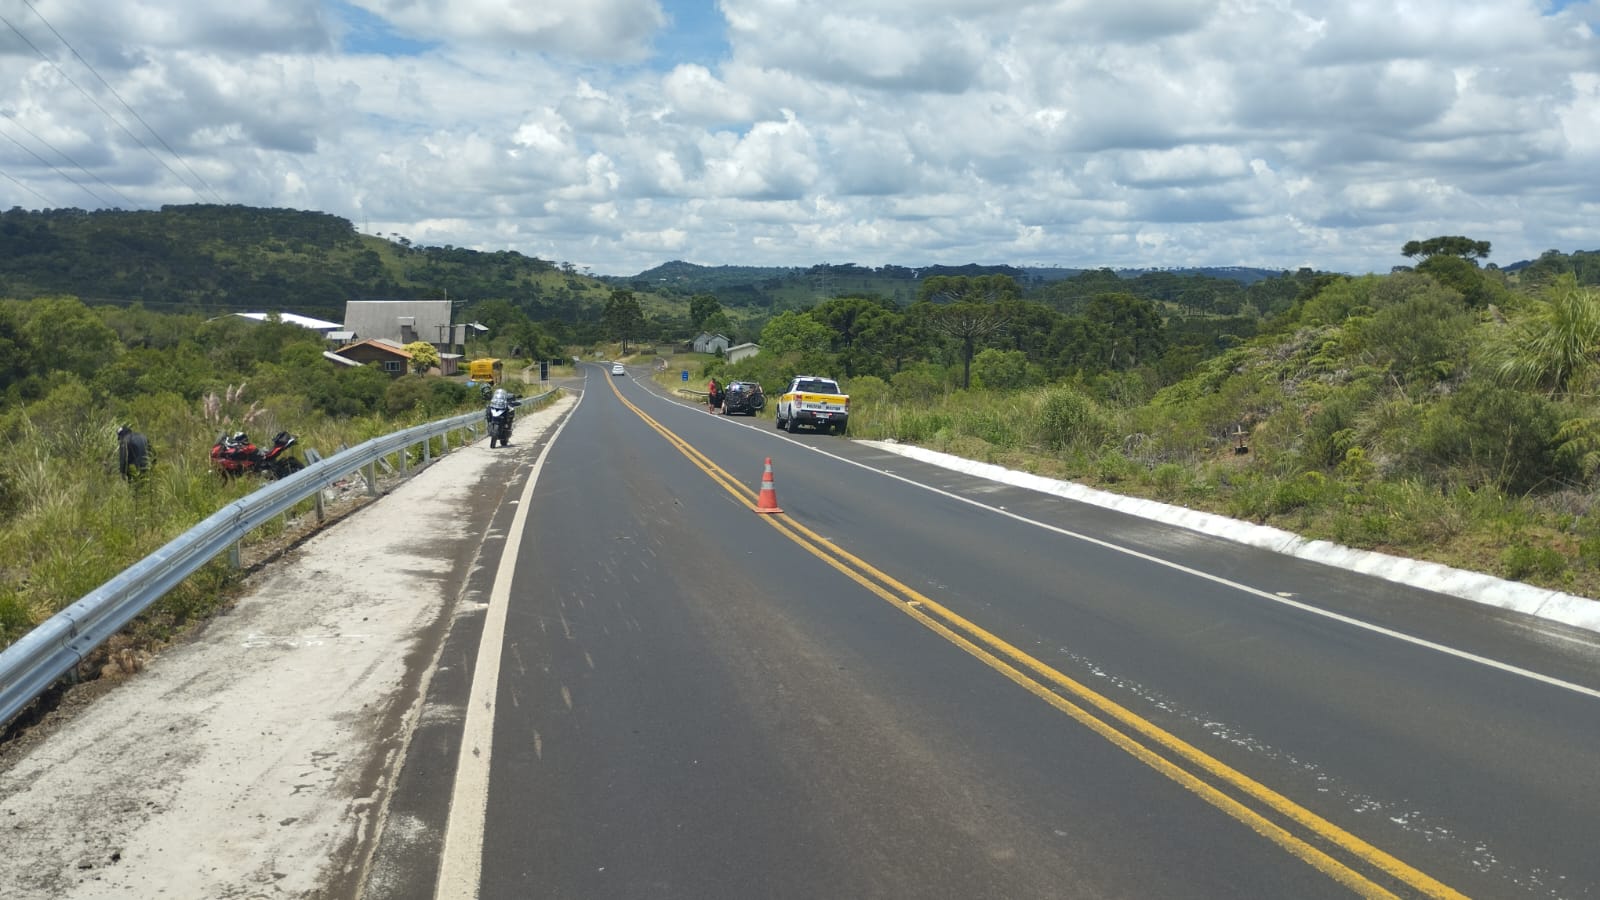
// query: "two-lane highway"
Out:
[921,685]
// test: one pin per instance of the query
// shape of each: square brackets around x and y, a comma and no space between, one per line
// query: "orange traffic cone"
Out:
[767,502]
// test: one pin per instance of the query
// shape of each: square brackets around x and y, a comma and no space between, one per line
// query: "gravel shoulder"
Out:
[254,758]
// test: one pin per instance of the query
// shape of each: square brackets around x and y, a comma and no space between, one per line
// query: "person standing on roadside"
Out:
[713,396]
[133,452]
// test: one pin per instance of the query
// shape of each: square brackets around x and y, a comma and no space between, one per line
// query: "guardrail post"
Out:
[427,450]
[405,460]
[370,472]
[312,458]
[234,558]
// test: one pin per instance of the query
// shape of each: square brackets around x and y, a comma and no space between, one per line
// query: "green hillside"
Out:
[234,258]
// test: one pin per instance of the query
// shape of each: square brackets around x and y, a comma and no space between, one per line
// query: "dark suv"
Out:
[743,397]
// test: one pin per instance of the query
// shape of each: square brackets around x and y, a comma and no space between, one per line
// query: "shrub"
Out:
[1522,561]
[866,389]
[1308,489]
[1331,430]
[1068,418]
[1000,370]
[919,384]
[1589,550]
[1250,499]
[1112,467]
[406,393]
[1501,436]
[1168,479]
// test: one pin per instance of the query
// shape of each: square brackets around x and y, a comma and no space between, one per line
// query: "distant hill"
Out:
[786,287]
[216,258]
[211,258]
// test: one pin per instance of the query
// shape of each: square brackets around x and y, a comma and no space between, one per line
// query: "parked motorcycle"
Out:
[500,415]
[236,454]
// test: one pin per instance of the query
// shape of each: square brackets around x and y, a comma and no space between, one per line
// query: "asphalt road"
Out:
[913,683]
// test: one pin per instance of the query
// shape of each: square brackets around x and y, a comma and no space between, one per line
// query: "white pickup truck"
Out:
[816,402]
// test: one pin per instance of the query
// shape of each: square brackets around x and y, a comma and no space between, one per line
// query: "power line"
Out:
[42,198]
[31,133]
[56,170]
[114,120]
[79,57]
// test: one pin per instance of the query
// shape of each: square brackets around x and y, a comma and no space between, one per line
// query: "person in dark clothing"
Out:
[133,452]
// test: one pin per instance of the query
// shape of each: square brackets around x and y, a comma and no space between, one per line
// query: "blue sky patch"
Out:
[696,34]
[364,32]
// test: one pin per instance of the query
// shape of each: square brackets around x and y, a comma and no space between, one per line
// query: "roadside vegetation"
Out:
[1446,412]
[71,374]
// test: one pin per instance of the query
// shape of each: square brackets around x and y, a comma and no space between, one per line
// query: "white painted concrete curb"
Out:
[1570,609]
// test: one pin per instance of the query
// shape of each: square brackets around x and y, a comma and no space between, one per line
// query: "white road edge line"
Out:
[1256,592]
[899,450]
[461,861]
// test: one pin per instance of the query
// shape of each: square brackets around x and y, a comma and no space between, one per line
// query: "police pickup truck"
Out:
[815,402]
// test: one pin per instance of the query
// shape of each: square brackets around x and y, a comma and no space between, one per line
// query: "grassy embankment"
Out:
[1059,432]
[79,523]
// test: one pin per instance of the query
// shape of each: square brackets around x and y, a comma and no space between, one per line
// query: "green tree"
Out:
[423,356]
[1447,245]
[1000,370]
[499,316]
[16,350]
[718,323]
[701,308]
[1115,333]
[534,342]
[864,331]
[623,317]
[67,336]
[792,332]
[968,310]
[1421,336]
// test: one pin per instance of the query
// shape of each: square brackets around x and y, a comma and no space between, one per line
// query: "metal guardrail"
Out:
[42,656]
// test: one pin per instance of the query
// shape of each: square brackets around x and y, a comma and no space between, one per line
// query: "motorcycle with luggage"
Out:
[500,415]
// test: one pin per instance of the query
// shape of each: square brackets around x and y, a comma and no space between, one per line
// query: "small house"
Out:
[707,342]
[742,351]
[390,356]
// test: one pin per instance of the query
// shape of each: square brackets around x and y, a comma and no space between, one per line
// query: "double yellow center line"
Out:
[1325,846]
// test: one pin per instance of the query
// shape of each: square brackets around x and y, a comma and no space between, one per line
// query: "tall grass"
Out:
[1062,431]
[73,522]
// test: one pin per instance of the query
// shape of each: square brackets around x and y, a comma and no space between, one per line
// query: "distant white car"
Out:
[616,369]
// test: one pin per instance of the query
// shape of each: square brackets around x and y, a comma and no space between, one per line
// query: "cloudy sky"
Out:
[619,134]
